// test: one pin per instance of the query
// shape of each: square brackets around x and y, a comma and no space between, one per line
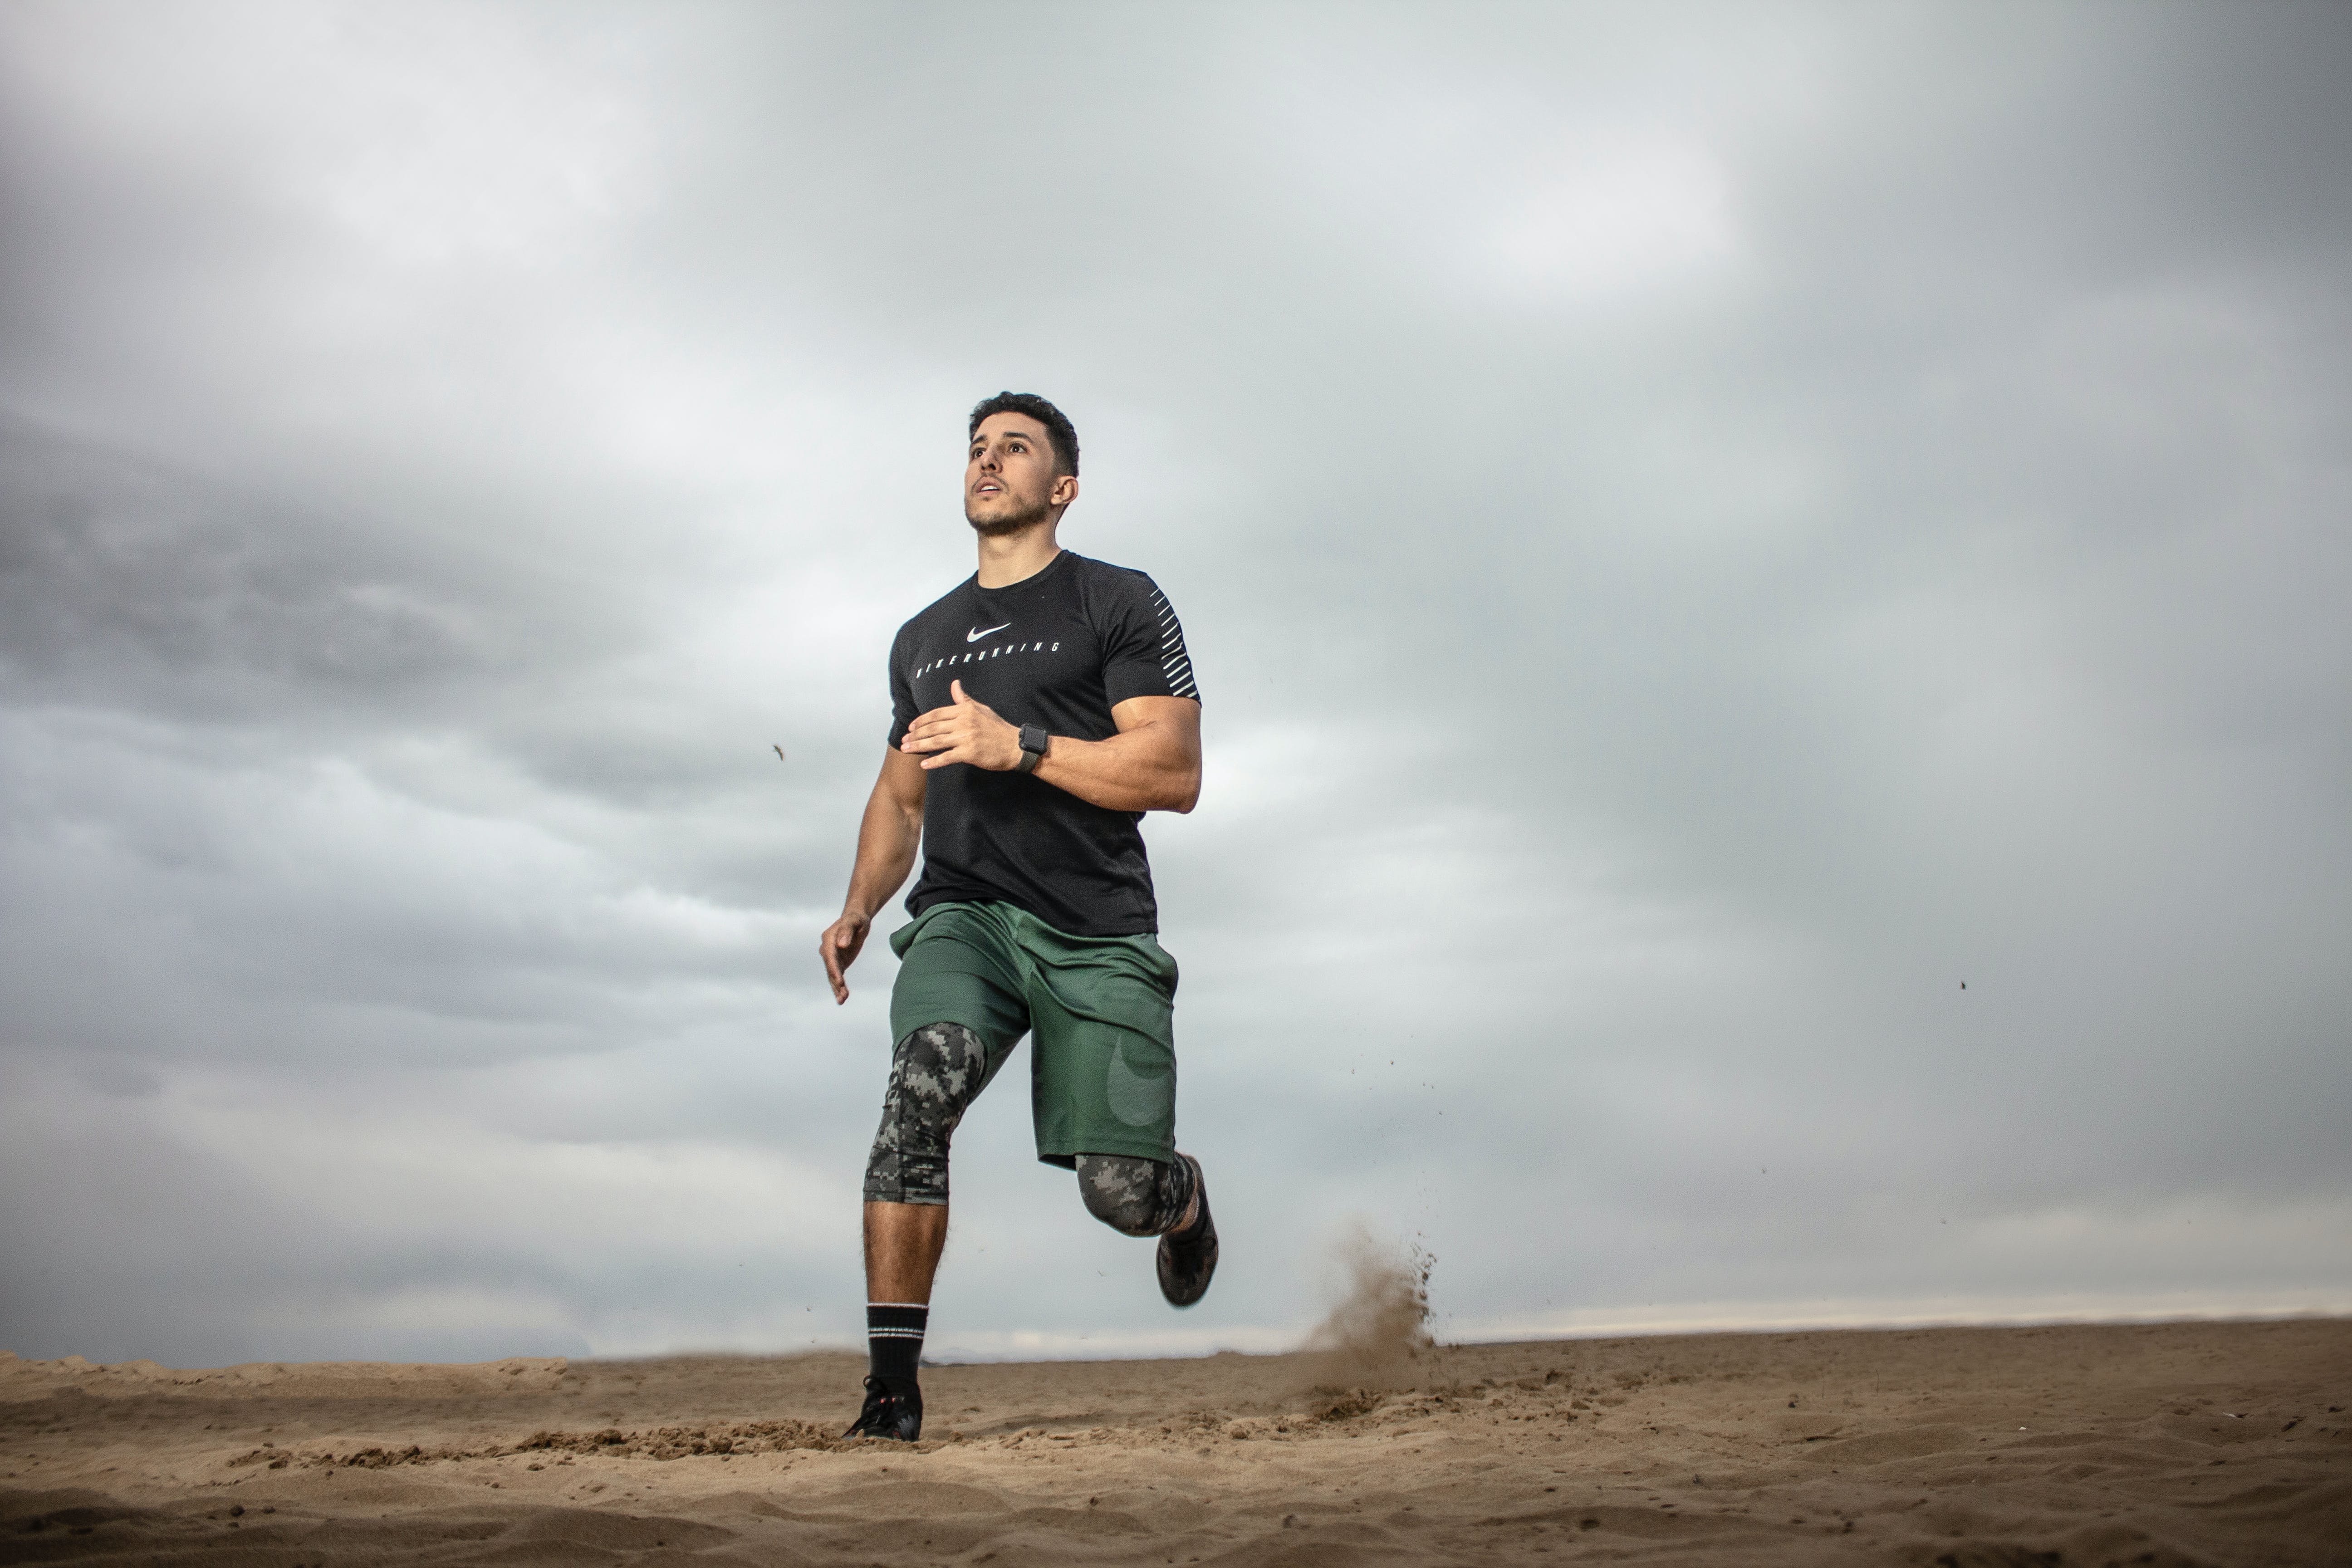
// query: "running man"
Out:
[1037,711]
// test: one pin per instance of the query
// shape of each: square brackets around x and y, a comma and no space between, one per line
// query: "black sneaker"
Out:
[1188,1257]
[895,1414]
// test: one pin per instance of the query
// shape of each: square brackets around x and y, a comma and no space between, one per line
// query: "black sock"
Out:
[894,1339]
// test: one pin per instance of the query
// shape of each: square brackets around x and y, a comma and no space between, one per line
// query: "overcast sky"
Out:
[1700,532]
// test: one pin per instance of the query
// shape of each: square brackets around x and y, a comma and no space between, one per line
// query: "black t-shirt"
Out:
[1058,648]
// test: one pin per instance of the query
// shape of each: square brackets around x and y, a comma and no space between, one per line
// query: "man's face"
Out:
[1009,482]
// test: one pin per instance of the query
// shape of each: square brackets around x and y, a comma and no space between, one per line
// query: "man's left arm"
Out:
[1153,763]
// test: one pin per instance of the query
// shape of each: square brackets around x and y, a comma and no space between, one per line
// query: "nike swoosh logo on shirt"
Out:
[975,637]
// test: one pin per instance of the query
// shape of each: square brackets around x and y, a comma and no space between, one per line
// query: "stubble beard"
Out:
[1011,522]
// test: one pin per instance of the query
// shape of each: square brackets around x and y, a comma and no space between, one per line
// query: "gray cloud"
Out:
[1698,535]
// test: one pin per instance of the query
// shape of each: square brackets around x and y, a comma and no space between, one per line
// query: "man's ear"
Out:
[1066,490]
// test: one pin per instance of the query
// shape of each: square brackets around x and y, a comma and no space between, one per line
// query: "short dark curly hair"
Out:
[1058,428]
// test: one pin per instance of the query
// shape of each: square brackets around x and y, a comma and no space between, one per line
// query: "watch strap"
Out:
[1034,742]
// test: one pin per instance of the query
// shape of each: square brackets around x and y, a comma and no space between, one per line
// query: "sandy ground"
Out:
[2140,1444]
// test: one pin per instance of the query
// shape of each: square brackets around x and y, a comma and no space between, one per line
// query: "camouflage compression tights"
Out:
[935,1074]
[1136,1196]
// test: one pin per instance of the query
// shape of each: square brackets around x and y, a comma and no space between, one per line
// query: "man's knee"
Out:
[934,1074]
[1133,1195]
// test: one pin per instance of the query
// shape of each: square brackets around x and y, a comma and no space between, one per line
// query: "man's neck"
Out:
[1009,558]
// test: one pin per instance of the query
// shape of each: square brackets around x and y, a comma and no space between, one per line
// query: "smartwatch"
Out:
[1033,747]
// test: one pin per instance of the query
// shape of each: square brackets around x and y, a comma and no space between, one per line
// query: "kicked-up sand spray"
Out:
[1378,1336]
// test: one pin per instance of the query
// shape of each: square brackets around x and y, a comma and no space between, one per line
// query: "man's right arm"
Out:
[887,841]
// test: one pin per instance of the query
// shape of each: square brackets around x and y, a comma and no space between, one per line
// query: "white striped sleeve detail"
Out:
[1175,664]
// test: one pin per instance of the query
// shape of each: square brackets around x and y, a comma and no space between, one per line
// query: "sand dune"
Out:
[2141,1445]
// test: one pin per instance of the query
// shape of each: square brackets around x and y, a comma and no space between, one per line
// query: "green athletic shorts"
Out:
[1103,1070]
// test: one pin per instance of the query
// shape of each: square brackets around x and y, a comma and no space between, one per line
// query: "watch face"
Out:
[1033,738]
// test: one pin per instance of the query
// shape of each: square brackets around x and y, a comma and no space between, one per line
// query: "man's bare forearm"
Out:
[1153,763]
[1148,768]
[887,840]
